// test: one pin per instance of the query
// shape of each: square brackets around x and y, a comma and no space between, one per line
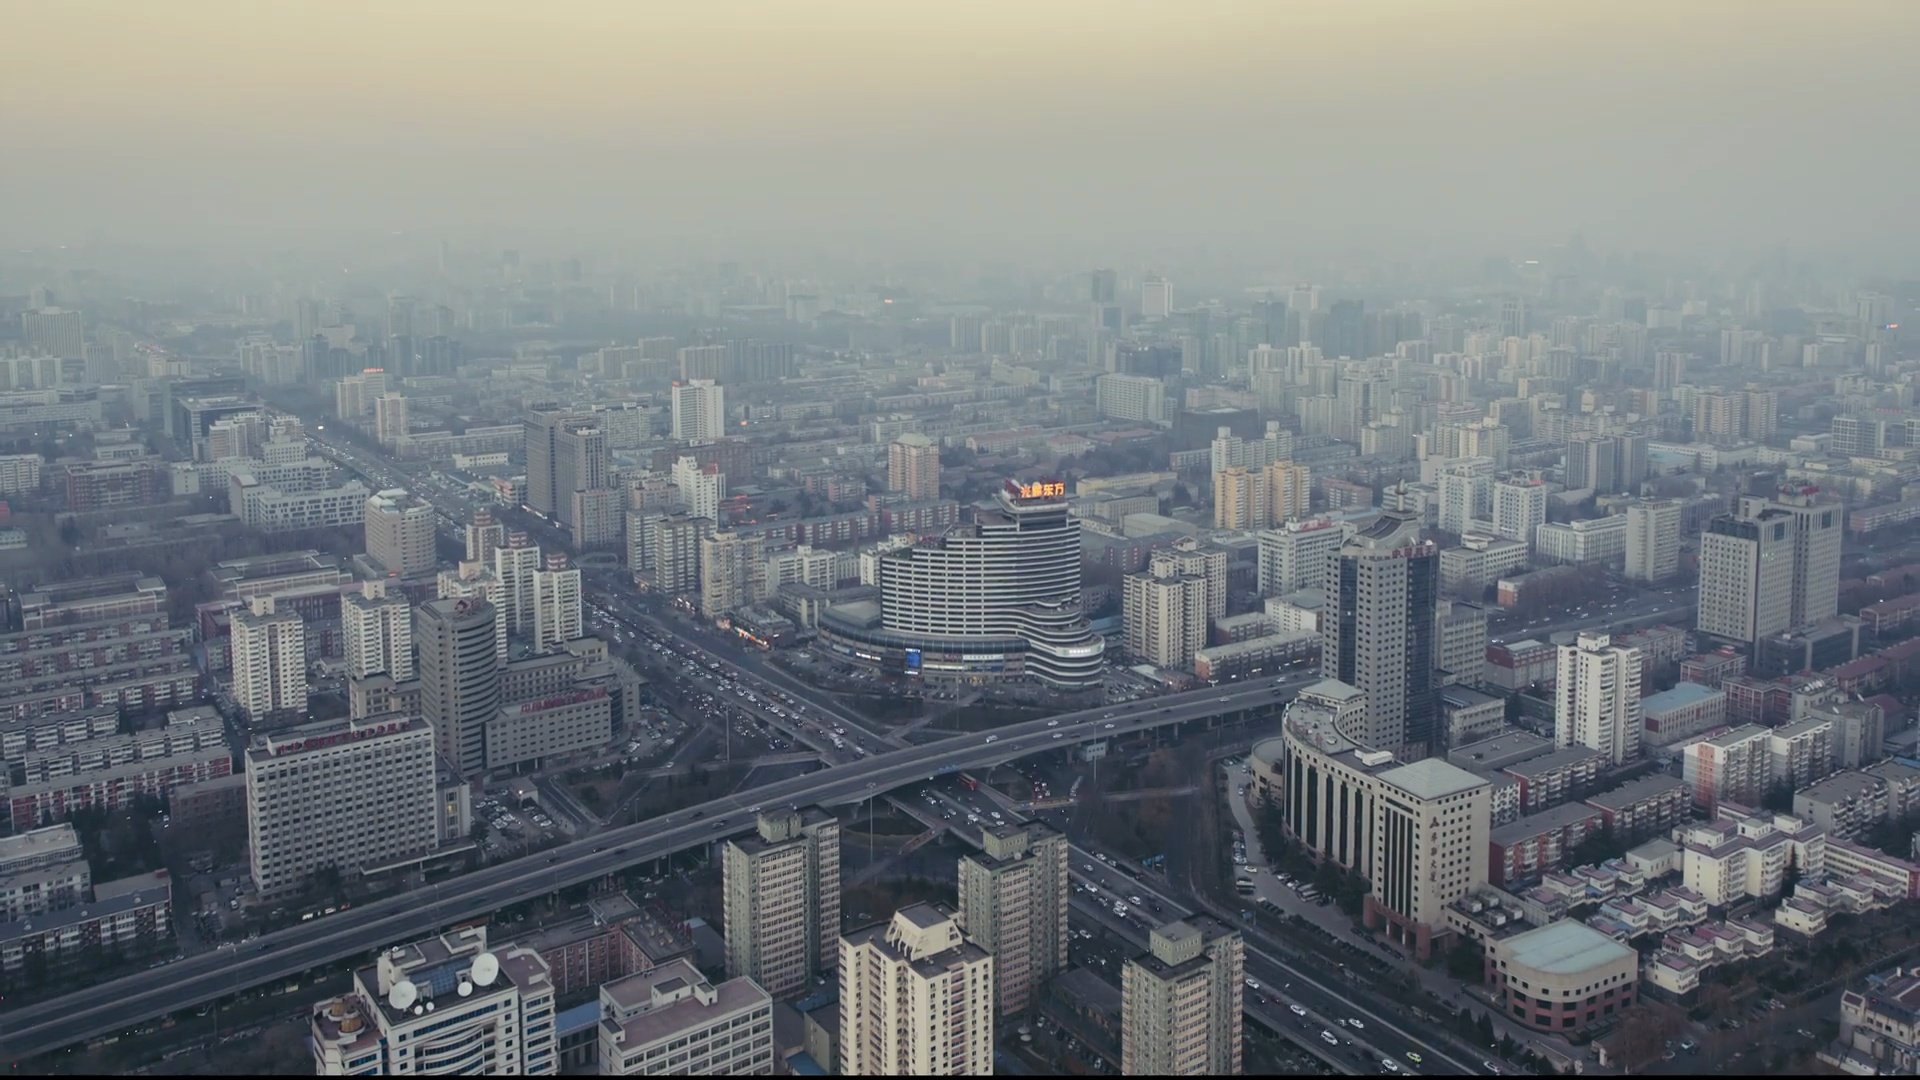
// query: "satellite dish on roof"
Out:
[465,988]
[429,1006]
[403,994]
[486,968]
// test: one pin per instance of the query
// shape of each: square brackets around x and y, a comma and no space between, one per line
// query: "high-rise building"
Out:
[1189,557]
[1289,491]
[1607,464]
[1377,634]
[55,332]
[1294,555]
[443,1005]
[339,795]
[1156,297]
[1165,617]
[401,533]
[916,998]
[579,464]
[376,632]
[459,677]
[1653,540]
[702,487]
[676,553]
[782,890]
[566,452]
[1466,495]
[1519,507]
[514,565]
[543,429]
[1119,396]
[390,418]
[556,604]
[1013,903]
[732,569]
[670,1020]
[1772,566]
[1597,698]
[1180,1002]
[1239,499]
[999,589]
[269,650]
[699,410]
[913,466]
[483,535]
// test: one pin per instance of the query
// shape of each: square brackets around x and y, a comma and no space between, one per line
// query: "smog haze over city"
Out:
[707,537]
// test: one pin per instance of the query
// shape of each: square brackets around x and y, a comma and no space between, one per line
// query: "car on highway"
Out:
[1413,1057]
[1252,983]
[1053,723]
[1329,1038]
[1107,726]
[993,738]
[1354,1022]
[1390,1065]
[1297,1009]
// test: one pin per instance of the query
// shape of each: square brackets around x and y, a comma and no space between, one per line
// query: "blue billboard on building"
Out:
[913,661]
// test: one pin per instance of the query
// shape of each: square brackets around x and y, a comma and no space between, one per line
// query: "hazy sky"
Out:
[1017,124]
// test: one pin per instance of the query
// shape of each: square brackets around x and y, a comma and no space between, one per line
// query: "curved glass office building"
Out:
[998,596]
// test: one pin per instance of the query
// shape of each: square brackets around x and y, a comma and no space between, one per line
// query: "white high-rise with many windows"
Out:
[916,998]
[376,632]
[515,565]
[1597,697]
[269,658]
[1653,540]
[699,410]
[701,488]
[556,604]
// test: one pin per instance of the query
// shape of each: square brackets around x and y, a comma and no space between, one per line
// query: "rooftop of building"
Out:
[1565,947]
[1637,790]
[1501,750]
[1681,696]
[1566,757]
[669,1000]
[50,842]
[1432,778]
[1532,825]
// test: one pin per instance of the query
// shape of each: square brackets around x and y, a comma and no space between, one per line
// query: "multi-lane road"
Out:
[125,1002]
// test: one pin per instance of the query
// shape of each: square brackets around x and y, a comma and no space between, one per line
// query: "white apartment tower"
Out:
[1653,540]
[1165,618]
[515,565]
[376,631]
[1180,1003]
[699,410]
[1013,904]
[269,658]
[732,569]
[916,998]
[1294,555]
[1597,698]
[390,418]
[556,604]
[400,533]
[782,899]
[913,467]
[340,795]
[1130,397]
[1519,507]
[701,488]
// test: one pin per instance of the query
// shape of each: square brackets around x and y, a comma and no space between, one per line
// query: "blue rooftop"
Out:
[1685,694]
